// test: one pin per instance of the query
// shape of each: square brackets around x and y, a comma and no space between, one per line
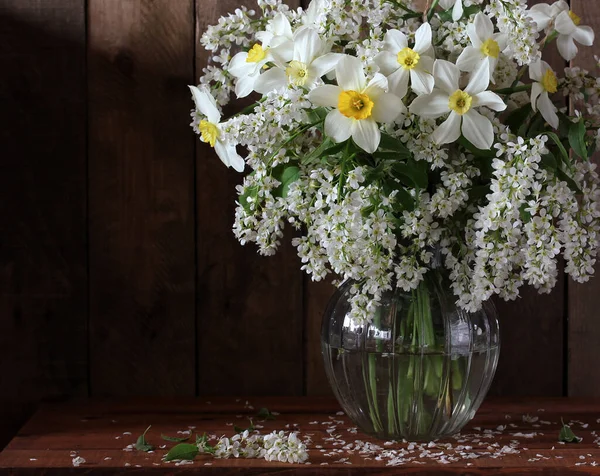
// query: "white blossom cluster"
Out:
[276,446]
[399,142]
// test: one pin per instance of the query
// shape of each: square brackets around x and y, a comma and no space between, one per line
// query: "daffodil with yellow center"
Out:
[256,54]
[357,105]
[297,73]
[210,131]
[545,83]
[485,47]
[403,65]
[574,17]
[461,104]
[408,58]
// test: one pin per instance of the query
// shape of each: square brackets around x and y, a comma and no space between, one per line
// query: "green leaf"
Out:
[548,162]
[467,12]
[238,429]
[562,175]
[317,115]
[141,444]
[538,124]
[411,174]
[183,451]
[577,133]
[567,435]
[490,154]
[289,174]
[175,439]
[405,199]
[479,192]
[563,152]
[265,414]
[391,143]
[326,149]
[518,117]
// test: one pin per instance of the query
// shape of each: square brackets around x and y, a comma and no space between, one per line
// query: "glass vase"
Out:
[419,370]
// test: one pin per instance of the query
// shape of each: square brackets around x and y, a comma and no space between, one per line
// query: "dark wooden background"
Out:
[119,273]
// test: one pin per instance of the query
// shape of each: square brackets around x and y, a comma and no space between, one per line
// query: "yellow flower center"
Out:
[490,48]
[210,132]
[297,73]
[549,82]
[460,102]
[575,18]
[355,105]
[256,54]
[408,58]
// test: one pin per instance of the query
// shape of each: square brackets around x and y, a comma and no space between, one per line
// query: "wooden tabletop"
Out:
[508,436]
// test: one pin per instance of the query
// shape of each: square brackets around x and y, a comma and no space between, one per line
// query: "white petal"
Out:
[457,11]
[282,54]
[338,127]
[541,14]
[387,62]
[548,110]
[480,79]
[470,59]
[584,35]
[478,130]
[377,86]
[395,41]
[564,24]
[206,104]
[447,76]
[244,86]
[398,82]
[536,90]
[448,131]
[491,100]
[537,70]
[484,26]
[229,156]
[327,95]
[426,64]
[431,105]
[239,67]
[350,74]
[307,46]
[367,135]
[423,38]
[501,39]
[271,80]
[421,82]
[325,64]
[387,108]
[446,4]
[280,26]
[566,47]
[474,35]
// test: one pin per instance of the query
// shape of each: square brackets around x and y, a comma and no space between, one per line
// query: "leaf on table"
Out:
[182,451]
[238,429]
[141,444]
[174,439]
[202,444]
[265,414]
[567,435]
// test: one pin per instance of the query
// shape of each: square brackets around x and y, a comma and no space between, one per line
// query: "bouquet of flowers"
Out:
[387,133]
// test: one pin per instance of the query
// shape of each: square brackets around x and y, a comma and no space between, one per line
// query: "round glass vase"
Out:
[419,370]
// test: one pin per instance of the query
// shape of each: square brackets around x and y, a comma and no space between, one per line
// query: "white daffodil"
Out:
[247,66]
[359,104]
[544,85]
[310,61]
[486,46]
[210,129]
[457,8]
[399,62]
[448,97]
[569,31]
[544,14]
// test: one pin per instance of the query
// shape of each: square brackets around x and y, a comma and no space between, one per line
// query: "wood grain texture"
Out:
[98,431]
[584,325]
[249,307]
[43,296]
[141,197]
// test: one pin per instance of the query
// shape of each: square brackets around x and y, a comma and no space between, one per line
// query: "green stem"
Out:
[432,9]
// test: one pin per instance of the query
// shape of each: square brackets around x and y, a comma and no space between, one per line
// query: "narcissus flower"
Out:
[359,105]
[400,63]
[461,104]
[544,14]
[544,85]
[310,61]
[486,46]
[569,31]
[457,8]
[210,129]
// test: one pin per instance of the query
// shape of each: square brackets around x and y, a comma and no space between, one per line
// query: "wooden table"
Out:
[508,436]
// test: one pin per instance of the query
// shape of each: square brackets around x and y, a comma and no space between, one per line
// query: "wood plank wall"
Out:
[119,273]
